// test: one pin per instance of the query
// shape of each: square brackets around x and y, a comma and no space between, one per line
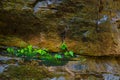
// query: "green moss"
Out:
[12,41]
[24,72]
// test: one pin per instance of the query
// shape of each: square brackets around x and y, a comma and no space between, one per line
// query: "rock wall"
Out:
[47,24]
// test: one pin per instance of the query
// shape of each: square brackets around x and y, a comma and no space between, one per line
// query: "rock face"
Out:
[48,23]
[43,5]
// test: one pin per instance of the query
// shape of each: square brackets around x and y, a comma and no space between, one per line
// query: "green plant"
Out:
[58,56]
[65,50]
[69,53]
[11,50]
[41,52]
[63,46]
[29,53]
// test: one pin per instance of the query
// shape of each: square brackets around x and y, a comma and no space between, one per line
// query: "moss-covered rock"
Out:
[12,41]
[24,72]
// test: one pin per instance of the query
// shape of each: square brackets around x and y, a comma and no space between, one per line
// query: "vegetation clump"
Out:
[65,50]
[29,53]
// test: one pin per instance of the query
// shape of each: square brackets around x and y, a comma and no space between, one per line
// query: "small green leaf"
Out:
[63,46]
[71,53]
[25,49]
[22,51]
[10,50]
[41,52]
[18,51]
[30,48]
[58,56]
[66,53]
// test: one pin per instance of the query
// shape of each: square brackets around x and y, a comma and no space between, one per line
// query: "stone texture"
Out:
[47,28]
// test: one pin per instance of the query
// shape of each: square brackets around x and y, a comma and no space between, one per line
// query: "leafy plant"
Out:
[66,52]
[69,53]
[63,46]
[41,52]
[11,51]
[29,53]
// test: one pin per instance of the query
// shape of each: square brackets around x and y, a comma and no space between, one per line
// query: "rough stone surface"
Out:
[20,25]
